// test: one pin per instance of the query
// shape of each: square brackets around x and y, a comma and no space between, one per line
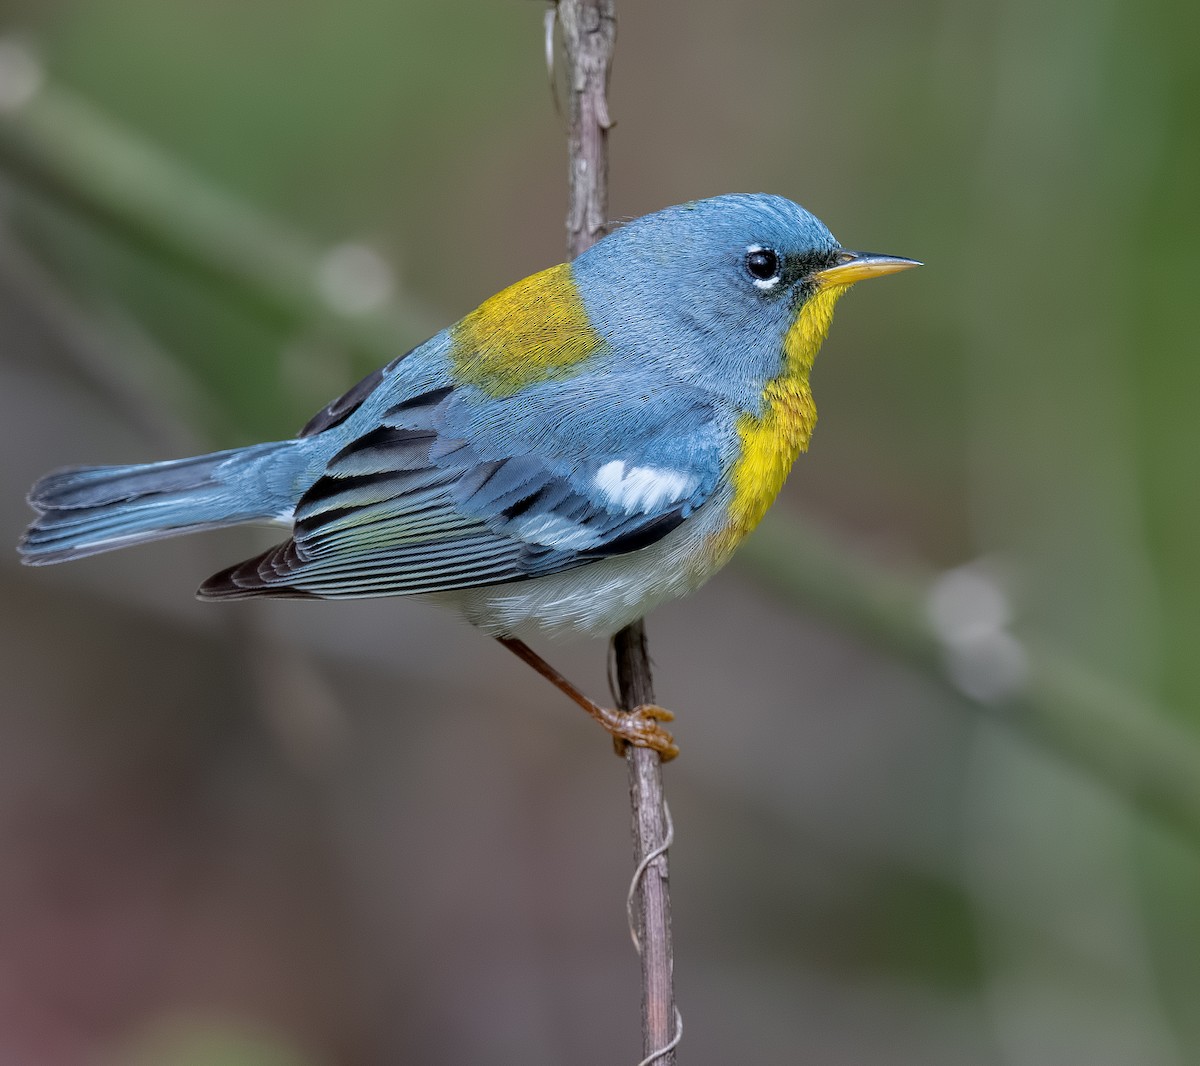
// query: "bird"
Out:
[588,443]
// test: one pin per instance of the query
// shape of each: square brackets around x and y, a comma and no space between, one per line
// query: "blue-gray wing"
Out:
[453,489]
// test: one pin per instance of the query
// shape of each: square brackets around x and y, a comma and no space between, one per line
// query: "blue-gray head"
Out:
[711,288]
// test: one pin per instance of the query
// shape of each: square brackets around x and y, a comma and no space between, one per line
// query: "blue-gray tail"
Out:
[85,510]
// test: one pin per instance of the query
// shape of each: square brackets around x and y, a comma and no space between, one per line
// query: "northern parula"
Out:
[584,445]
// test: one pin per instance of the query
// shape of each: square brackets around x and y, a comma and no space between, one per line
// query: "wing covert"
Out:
[453,489]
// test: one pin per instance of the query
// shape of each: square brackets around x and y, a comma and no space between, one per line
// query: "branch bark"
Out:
[589,29]
[651,913]
[589,32]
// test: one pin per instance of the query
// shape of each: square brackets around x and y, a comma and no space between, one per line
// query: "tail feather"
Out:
[92,486]
[86,510]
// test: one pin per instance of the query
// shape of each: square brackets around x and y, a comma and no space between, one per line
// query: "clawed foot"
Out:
[641,727]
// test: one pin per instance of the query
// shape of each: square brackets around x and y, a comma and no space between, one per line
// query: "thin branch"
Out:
[589,32]
[589,29]
[651,835]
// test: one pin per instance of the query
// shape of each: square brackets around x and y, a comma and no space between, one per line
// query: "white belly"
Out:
[601,597]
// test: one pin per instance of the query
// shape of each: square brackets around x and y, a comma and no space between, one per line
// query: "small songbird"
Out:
[584,445]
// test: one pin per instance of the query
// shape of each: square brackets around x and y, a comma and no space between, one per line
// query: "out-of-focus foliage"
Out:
[356,830]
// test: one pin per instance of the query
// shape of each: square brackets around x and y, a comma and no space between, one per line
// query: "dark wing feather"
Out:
[425,502]
[350,401]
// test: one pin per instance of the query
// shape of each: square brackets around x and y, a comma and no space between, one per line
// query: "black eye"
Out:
[763,264]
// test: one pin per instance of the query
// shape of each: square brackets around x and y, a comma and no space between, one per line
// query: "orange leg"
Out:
[639,726]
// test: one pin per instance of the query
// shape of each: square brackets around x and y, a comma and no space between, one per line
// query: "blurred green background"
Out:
[304,834]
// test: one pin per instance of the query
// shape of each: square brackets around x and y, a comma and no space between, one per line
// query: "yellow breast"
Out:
[771,441]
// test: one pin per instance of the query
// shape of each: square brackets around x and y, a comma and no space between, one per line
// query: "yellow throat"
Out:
[772,441]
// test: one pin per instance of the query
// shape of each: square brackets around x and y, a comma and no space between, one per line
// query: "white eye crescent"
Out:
[762,264]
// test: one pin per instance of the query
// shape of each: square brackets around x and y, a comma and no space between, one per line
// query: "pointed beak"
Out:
[854,266]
